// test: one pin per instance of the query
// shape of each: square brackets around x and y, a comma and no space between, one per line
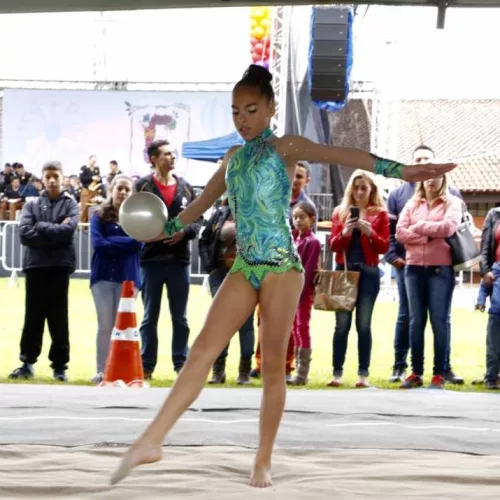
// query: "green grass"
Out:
[468,340]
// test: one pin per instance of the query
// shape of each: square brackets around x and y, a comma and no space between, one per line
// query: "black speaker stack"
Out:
[330,39]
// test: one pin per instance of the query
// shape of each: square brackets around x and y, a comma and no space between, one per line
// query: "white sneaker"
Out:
[98,378]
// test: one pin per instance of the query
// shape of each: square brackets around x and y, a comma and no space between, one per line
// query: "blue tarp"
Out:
[333,106]
[212,149]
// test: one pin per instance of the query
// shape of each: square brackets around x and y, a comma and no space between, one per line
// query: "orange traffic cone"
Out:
[124,363]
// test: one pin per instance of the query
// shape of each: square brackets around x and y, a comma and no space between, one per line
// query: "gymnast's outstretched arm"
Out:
[296,148]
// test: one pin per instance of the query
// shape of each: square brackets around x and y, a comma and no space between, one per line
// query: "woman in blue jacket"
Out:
[115,259]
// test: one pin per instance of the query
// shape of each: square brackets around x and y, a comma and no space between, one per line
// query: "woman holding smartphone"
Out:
[360,233]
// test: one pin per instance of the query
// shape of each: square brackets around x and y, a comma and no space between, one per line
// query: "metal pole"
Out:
[441,5]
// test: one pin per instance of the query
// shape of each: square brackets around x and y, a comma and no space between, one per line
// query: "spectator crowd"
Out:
[410,232]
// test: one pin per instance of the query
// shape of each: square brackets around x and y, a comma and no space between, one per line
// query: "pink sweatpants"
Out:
[301,333]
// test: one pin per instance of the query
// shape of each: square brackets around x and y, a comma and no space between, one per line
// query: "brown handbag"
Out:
[336,290]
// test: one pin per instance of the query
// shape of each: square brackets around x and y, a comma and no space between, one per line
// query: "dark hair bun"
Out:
[260,78]
[258,75]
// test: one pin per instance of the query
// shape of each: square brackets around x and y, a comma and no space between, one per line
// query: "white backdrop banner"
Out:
[69,126]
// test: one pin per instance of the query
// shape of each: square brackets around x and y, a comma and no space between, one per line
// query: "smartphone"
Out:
[354,212]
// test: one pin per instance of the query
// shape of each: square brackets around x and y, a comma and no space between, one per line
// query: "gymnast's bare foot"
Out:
[140,453]
[261,476]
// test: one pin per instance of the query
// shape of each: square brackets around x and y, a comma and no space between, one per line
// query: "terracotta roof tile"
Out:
[478,174]
[454,129]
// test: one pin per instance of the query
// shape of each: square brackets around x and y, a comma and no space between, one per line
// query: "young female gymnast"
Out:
[267,268]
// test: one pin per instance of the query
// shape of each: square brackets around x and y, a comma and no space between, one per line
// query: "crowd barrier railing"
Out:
[12,253]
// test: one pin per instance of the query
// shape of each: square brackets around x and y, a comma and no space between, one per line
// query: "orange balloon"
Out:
[258,48]
[256,57]
[258,33]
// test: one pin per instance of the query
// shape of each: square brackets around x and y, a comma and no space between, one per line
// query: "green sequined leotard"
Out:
[259,193]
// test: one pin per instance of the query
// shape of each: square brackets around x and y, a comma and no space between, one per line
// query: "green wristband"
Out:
[173,226]
[388,168]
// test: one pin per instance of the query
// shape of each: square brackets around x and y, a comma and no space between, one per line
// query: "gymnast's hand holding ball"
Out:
[144,217]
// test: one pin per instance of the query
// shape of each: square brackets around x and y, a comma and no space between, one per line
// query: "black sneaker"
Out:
[25,372]
[60,376]
[452,378]
[255,373]
[398,375]
[492,385]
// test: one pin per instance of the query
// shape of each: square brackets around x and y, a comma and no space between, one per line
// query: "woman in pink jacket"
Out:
[424,224]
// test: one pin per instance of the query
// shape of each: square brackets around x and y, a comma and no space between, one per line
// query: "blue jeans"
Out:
[402,333]
[493,349]
[177,280]
[431,291]
[368,289]
[247,334]
[106,295]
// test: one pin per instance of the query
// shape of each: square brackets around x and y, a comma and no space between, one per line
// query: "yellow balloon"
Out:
[253,23]
[259,32]
[266,12]
[257,13]
[266,24]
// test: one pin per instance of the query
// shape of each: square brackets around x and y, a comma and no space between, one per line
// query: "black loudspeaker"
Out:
[329,53]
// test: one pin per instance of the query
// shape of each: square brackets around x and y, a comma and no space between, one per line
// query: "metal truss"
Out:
[279,59]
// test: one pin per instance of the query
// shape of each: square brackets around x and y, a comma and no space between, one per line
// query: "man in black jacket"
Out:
[47,226]
[90,173]
[6,177]
[23,176]
[166,261]
[489,245]
[91,180]
[113,172]
[489,249]
[217,247]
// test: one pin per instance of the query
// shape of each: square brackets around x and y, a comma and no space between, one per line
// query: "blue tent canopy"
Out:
[212,149]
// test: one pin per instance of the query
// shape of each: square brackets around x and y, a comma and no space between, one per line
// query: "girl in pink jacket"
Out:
[309,249]
[424,224]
